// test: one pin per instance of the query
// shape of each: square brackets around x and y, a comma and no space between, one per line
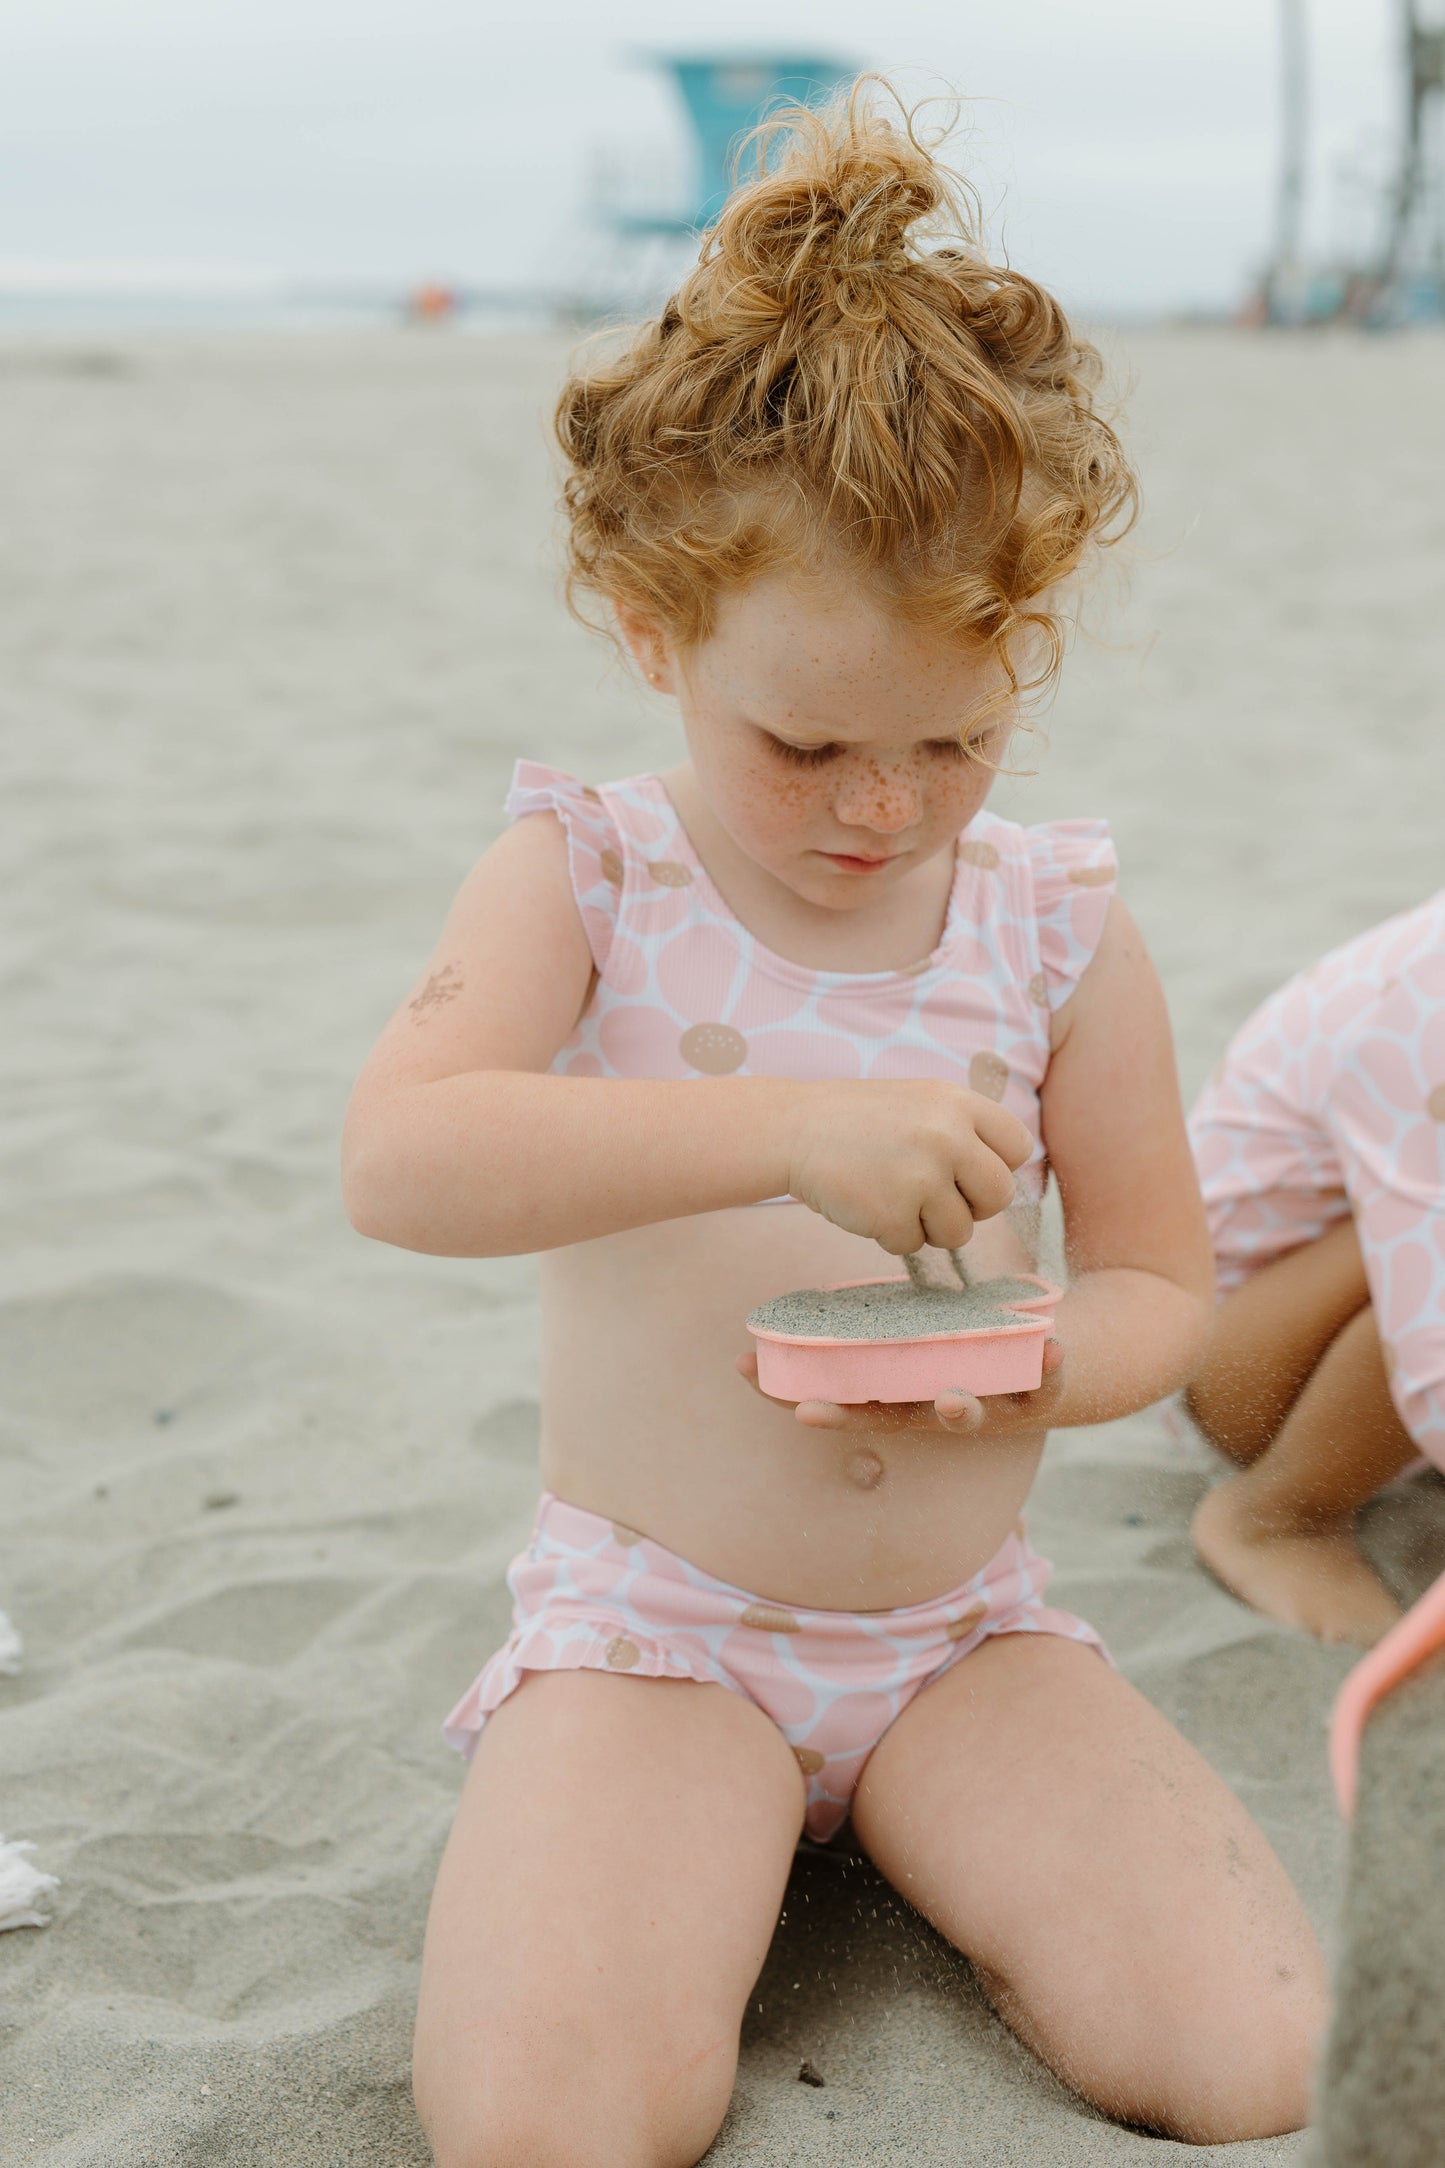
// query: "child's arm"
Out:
[1139,1305]
[458,1143]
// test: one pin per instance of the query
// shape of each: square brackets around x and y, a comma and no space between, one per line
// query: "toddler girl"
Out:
[704,1036]
[1320,1144]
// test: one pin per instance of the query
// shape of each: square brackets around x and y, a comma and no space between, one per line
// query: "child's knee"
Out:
[665,2116]
[1256,2085]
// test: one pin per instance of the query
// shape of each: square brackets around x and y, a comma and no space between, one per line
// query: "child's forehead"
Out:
[780,645]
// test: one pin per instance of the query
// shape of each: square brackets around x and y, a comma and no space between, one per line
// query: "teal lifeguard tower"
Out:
[645,228]
[724,95]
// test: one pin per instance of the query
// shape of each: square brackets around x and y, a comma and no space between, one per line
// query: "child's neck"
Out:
[902,926]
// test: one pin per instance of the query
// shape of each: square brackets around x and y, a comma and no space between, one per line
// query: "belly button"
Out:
[865,1469]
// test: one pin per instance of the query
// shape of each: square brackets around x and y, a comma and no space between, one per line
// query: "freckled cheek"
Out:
[952,804]
[773,803]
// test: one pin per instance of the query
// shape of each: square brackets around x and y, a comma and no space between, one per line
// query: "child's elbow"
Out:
[362,1198]
[368,1181]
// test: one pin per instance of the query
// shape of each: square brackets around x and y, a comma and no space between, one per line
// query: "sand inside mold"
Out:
[892,1310]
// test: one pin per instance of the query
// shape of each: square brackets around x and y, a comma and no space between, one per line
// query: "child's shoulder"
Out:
[632,807]
[1411,944]
[1058,855]
[1059,876]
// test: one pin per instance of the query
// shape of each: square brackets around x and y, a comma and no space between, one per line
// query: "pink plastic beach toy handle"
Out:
[1405,1647]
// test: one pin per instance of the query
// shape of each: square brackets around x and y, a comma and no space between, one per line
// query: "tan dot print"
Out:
[594,795]
[1435,1104]
[713,1049]
[624,1535]
[808,1759]
[973,1617]
[1039,990]
[988,1074]
[984,855]
[668,873]
[1093,876]
[769,1619]
[621,1653]
[611,863]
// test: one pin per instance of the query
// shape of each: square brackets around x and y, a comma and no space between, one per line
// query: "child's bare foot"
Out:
[1314,1578]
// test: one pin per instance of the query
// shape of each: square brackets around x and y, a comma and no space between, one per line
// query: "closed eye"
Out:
[817,756]
[803,756]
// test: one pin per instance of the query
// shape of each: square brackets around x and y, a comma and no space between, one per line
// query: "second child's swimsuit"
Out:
[1330,1101]
[684,990]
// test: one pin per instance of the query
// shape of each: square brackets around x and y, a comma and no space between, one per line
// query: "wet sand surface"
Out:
[278,614]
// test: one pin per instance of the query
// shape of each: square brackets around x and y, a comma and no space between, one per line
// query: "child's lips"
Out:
[852,864]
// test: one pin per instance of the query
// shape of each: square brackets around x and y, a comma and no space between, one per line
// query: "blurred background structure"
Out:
[313,161]
[1398,276]
[645,230]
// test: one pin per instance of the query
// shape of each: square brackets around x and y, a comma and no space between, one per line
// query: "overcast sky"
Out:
[1127,148]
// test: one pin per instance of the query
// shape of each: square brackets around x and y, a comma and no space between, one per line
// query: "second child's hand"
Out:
[955,1413]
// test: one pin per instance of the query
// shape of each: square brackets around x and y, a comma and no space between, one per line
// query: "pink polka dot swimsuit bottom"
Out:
[591,1595]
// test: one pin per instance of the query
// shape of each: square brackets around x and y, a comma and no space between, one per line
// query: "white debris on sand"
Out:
[23,1888]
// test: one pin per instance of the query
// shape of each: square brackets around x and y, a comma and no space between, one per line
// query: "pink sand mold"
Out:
[982,1359]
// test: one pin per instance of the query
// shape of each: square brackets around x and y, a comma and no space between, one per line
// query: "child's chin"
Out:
[840,892]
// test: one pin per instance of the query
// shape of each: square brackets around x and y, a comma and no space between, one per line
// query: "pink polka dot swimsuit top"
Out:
[684,990]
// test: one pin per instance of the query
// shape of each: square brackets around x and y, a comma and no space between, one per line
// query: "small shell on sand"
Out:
[892,1310]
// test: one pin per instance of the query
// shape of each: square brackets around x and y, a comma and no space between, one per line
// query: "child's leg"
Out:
[1127,1917]
[1281,1533]
[603,1908]
[1268,1336]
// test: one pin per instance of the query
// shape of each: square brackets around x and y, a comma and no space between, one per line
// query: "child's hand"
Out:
[957,1413]
[905,1163]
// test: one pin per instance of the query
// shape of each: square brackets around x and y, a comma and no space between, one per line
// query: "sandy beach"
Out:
[278,614]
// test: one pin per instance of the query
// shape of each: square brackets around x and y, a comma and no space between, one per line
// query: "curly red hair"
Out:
[846,380]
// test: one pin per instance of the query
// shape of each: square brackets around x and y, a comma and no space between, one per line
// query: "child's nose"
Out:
[884,799]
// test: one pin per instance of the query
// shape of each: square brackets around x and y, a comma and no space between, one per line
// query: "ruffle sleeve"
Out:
[1075,871]
[594,845]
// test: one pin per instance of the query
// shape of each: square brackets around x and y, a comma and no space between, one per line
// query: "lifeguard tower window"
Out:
[724,96]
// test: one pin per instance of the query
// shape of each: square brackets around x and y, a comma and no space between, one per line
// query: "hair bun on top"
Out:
[837,209]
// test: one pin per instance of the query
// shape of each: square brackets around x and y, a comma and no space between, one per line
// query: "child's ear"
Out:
[647,646]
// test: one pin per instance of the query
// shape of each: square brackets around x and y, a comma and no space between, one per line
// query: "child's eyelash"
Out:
[817,756]
[805,756]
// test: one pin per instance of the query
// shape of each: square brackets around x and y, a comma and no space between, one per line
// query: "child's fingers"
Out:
[1033,1407]
[948,1223]
[958,1413]
[901,1236]
[984,1178]
[747,1369]
[1002,1132]
[958,1410]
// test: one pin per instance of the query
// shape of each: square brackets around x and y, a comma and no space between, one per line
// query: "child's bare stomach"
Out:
[646,1421]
